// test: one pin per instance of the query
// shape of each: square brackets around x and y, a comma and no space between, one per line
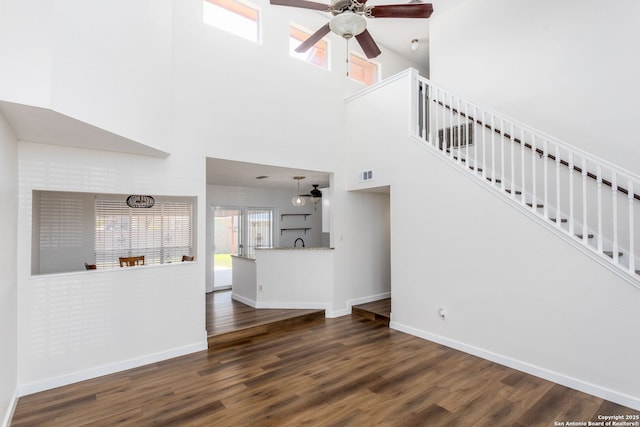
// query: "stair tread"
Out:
[538,205]
[556,219]
[580,236]
[497,180]
[508,190]
[610,253]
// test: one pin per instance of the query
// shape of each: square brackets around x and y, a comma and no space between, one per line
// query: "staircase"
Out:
[581,198]
[378,311]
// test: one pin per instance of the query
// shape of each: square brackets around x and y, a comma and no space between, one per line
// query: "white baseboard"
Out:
[370,298]
[6,421]
[294,305]
[574,383]
[350,303]
[74,377]
[243,300]
[282,305]
[313,305]
[338,313]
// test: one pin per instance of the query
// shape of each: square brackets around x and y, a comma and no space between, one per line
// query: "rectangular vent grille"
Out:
[366,175]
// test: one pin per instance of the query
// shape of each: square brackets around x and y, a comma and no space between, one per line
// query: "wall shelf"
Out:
[305,215]
[295,229]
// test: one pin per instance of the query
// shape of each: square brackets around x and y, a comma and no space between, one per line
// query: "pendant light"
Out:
[298,200]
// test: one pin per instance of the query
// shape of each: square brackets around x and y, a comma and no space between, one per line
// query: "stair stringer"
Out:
[590,251]
[514,293]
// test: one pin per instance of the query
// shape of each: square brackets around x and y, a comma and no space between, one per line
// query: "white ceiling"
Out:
[242,174]
[47,126]
[396,34]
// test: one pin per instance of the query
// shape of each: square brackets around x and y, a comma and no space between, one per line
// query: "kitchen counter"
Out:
[312,248]
[247,257]
[284,278]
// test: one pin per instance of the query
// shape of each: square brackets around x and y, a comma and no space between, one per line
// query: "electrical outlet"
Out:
[260,288]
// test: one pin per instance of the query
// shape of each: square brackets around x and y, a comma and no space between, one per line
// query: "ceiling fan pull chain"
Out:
[347,57]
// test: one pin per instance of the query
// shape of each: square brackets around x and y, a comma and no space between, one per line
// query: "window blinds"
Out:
[260,232]
[162,233]
[60,221]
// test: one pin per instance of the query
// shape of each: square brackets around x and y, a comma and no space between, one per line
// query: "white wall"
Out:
[78,325]
[26,48]
[245,288]
[515,292]
[360,235]
[8,275]
[239,100]
[294,278]
[226,98]
[562,67]
[107,64]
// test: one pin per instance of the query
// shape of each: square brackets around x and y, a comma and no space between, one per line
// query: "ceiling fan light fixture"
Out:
[348,24]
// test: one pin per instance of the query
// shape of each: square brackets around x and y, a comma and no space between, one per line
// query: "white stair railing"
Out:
[585,198]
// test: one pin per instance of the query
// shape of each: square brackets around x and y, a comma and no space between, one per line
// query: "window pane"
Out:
[317,55]
[233,17]
[362,70]
[162,233]
[260,232]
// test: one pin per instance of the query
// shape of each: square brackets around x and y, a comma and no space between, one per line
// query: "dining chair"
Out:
[131,261]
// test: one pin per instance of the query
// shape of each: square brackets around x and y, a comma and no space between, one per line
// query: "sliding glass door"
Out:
[227,241]
[238,231]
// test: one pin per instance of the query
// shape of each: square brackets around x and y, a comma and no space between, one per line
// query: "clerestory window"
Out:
[317,55]
[234,17]
[363,70]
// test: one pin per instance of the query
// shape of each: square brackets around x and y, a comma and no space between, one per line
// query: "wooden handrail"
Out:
[530,147]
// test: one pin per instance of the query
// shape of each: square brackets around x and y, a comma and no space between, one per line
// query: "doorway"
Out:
[227,241]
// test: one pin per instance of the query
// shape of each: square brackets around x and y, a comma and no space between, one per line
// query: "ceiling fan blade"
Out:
[368,45]
[417,10]
[313,39]
[301,3]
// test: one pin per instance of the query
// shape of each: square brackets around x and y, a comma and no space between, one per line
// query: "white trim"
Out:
[294,305]
[337,313]
[370,298]
[6,422]
[244,300]
[591,252]
[35,387]
[350,303]
[574,383]
[531,129]
[409,72]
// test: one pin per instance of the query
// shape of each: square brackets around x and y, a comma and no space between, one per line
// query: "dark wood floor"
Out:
[229,320]
[379,311]
[330,372]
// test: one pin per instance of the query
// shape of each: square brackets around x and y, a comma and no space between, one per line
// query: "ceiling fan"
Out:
[349,19]
[315,193]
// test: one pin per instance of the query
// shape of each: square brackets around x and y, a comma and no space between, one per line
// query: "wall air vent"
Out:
[366,175]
